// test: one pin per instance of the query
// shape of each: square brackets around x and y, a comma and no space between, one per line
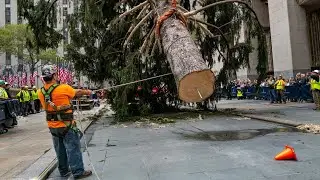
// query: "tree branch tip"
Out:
[141,5]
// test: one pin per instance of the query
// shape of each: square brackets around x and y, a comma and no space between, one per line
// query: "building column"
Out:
[289,36]
[269,50]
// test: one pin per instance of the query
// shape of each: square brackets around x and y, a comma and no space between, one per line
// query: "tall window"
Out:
[64,25]
[75,5]
[8,59]
[54,18]
[20,59]
[20,63]
[65,11]
[7,1]
[8,15]
[19,20]
[66,38]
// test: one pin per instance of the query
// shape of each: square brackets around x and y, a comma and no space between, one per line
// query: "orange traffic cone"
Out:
[287,154]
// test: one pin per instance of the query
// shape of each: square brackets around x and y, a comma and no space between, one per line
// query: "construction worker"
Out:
[239,93]
[55,99]
[272,92]
[20,97]
[7,88]
[35,98]
[315,87]
[280,87]
[27,100]
[3,92]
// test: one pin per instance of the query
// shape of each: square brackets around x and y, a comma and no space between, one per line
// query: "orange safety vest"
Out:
[59,113]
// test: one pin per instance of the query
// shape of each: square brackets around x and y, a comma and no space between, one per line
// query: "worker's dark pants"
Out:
[316,98]
[68,152]
[37,105]
[30,109]
[272,94]
[280,96]
[24,108]
[21,109]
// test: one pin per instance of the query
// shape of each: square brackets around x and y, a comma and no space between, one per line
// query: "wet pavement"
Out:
[233,135]
[219,147]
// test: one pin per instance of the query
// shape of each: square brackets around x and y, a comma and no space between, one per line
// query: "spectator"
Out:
[7,88]
[272,92]
[280,87]
[315,87]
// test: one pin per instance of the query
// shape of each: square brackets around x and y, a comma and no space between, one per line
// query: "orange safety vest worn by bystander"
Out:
[55,100]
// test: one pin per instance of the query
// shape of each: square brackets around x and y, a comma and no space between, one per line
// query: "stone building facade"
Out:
[293,36]
[293,27]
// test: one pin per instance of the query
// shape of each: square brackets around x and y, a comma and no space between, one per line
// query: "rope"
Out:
[133,82]
[168,14]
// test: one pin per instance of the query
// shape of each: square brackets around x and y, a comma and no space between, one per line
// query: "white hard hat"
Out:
[34,87]
[48,70]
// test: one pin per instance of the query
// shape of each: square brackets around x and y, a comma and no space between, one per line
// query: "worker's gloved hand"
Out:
[88,92]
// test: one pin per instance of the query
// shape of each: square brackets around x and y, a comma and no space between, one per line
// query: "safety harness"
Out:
[59,112]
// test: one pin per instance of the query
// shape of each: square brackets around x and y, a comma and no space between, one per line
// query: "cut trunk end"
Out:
[196,86]
[195,81]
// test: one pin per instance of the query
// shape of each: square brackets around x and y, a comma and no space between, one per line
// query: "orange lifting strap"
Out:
[168,14]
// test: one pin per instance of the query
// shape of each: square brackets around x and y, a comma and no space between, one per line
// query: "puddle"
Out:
[234,135]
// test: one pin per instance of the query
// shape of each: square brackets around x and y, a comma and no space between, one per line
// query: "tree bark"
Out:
[194,79]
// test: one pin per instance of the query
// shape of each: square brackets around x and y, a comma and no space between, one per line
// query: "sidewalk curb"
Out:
[270,119]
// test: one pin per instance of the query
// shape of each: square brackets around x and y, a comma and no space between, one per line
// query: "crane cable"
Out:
[133,82]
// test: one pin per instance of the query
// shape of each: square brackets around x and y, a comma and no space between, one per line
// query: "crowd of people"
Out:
[277,88]
[29,100]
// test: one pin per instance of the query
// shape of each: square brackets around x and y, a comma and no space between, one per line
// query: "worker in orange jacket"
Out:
[55,99]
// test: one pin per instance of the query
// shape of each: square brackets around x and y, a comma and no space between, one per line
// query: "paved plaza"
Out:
[218,147]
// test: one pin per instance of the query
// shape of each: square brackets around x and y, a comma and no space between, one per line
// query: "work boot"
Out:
[84,174]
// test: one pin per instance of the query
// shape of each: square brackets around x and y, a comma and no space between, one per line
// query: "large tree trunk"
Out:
[195,81]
